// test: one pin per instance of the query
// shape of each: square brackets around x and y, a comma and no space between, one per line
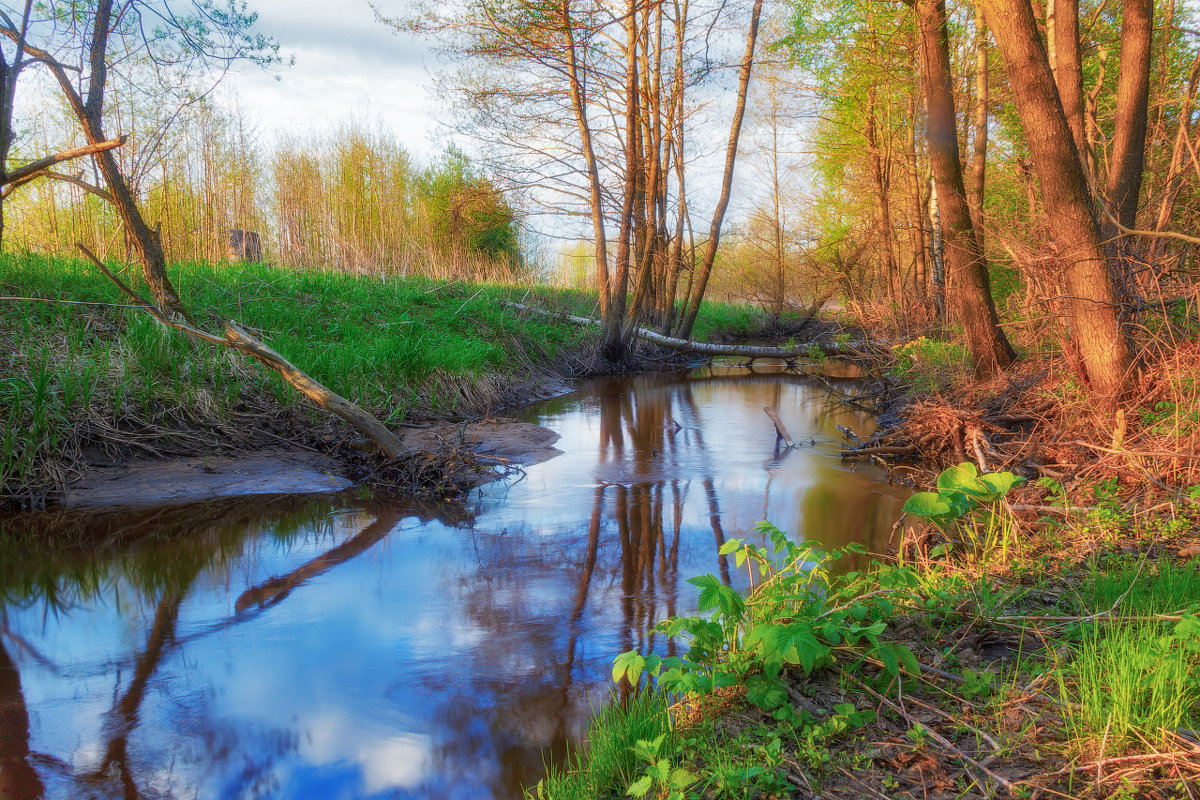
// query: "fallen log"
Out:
[834,349]
[238,338]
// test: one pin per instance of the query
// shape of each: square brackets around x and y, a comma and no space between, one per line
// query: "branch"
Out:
[238,338]
[738,350]
[75,180]
[1183,237]
[29,170]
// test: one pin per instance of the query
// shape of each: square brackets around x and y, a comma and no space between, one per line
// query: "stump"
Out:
[245,245]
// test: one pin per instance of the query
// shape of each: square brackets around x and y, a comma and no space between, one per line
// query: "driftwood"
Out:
[238,338]
[780,429]
[805,350]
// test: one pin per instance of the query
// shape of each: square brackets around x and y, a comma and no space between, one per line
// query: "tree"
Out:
[589,102]
[1090,296]
[1128,157]
[970,292]
[109,34]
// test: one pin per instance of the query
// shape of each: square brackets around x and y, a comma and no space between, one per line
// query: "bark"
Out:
[936,252]
[1068,73]
[9,73]
[979,154]
[735,130]
[579,108]
[880,180]
[920,261]
[1096,327]
[27,171]
[1133,91]
[970,292]
[613,348]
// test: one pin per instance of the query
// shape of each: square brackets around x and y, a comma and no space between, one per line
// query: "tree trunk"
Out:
[613,348]
[735,129]
[1091,300]
[579,107]
[979,154]
[1068,73]
[1133,90]
[970,292]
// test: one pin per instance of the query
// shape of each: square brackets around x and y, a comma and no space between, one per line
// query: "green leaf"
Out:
[729,546]
[681,778]
[1000,483]
[628,665]
[641,786]
[926,504]
[766,693]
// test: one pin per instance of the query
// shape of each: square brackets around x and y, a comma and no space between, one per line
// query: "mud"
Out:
[291,471]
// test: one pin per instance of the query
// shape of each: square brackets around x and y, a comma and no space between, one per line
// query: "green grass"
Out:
[78,362]
[1130,683]
[607,764]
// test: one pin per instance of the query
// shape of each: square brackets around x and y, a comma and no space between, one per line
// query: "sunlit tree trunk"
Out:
[1097,331]
[979,151]
[970,293]
[1133,90]
[1068,73]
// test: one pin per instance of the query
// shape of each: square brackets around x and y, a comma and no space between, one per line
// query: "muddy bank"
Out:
[283,470]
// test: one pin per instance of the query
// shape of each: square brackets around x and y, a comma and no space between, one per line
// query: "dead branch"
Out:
[780,429]
[238,338]
[29,170]
[74,180]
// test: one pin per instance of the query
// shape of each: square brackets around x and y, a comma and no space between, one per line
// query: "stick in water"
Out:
[780,430]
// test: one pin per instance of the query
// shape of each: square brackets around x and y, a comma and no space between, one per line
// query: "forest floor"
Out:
[1036,634]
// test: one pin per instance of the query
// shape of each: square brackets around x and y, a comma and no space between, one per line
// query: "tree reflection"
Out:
[18,780]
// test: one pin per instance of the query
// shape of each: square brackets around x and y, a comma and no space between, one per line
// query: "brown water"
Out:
[363,648]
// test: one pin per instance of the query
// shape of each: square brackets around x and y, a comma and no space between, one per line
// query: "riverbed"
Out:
[356,646]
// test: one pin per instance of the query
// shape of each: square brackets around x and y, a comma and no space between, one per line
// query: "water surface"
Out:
[362,647]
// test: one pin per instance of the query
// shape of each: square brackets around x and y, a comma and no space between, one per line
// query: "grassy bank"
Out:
[83,372]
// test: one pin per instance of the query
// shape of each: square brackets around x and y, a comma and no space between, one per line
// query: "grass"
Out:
[1073,693]
[609,763]
[81,367]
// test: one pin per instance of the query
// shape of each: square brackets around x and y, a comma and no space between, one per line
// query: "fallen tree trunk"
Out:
[834,349]
[238,338]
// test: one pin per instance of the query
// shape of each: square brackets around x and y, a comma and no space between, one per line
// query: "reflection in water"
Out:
[372,648]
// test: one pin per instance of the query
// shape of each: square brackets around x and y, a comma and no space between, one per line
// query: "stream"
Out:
[352,646]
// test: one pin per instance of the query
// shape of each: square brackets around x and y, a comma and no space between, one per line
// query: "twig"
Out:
[935,736]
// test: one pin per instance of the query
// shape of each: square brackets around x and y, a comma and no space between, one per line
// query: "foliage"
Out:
[799,615]
[961,491]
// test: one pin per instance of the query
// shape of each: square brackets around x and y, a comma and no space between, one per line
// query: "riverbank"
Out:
[1034,640]
[88,381]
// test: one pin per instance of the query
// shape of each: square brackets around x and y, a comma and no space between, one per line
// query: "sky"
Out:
[348,66]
